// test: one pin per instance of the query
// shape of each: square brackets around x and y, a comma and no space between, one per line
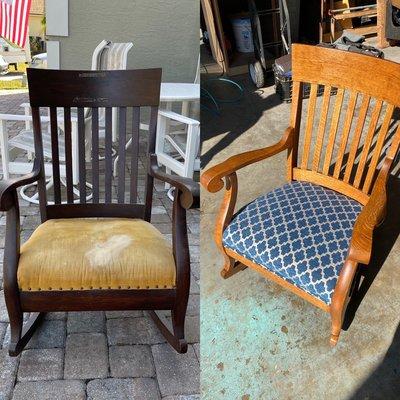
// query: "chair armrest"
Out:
[211,179]
[178,117]
[8,186]
[189,188]
[370,217]
[15,117]
[25,105]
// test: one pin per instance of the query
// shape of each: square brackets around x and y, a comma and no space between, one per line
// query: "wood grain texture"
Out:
[345,133]
[367,143]
[309,125]
[356,137]
[380,141]
[321,127]
[333,130]
[295,121]
[343,69]
[331,183]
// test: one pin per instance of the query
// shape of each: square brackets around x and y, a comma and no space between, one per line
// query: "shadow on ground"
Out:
[384,381]
[235,116]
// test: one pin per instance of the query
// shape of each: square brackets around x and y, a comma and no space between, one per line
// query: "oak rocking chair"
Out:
[311,235]
[102,254]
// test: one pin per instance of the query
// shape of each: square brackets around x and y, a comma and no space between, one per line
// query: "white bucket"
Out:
[243,36]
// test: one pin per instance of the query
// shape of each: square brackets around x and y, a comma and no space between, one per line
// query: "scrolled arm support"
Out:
[360,247]
[190,190]
[212,179]
[7,187]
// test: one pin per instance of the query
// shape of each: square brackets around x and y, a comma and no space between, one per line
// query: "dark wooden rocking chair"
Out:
[101,255]
[311,234]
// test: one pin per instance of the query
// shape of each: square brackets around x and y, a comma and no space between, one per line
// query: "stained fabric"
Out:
[96,253]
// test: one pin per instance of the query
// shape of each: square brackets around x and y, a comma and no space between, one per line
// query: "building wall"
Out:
[164,33]
[35,25]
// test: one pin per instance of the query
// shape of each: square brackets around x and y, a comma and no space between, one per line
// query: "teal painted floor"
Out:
[259,341]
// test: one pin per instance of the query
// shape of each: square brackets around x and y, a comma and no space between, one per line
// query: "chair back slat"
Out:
[95,155]
[367,143]
[68,155]
[82,154]
[295,120]
[321,128]
[333,130]
[309,125]
[135,154]
[55,155]
[357,136]
[380,141]
[37,129]
[349,120]
[121,155]
[89,100]
[108,156]
[151,149]
[345,133]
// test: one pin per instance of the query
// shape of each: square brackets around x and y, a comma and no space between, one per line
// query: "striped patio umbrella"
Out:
[14,18]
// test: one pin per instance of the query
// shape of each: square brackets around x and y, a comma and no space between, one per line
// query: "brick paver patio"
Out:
[97,355]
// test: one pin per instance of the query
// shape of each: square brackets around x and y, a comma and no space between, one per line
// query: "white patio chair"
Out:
[178,150]
[106,55]
[178,138]
[24,141]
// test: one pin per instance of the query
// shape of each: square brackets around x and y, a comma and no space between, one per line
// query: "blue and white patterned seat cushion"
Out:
[300,232]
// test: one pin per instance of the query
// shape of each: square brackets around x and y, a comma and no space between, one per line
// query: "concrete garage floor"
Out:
[259,341]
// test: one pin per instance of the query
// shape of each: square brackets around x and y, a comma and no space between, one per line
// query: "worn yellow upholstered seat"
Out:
[96,253]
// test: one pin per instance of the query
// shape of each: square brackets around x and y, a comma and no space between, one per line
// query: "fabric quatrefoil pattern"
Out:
[300,232]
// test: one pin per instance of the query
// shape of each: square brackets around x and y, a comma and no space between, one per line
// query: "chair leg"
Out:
[341,297]
[178,323]
[231,267]
[337,322]
[21,333]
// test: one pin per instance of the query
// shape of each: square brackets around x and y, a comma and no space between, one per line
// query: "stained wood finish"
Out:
[357,136]
[309,125]
[68,154]
[95,155]
[89,90]
[135,154]
[108,156]
[55,155]
[347,163]
[321,128]
[82,155]
[333,130]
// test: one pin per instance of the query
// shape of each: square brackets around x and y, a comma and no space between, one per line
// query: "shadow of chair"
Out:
[384,381]
[388,233]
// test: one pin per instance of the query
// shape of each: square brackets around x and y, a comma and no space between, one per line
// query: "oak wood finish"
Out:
[347,163]
[89,90]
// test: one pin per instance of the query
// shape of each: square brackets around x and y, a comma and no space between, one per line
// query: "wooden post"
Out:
[381,24]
